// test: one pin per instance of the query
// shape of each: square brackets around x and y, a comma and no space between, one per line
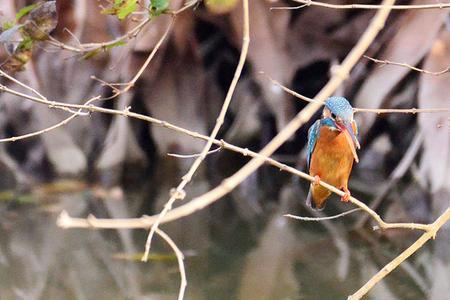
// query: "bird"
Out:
[331,151]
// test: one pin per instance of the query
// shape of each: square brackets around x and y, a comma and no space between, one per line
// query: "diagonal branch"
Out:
[42,131]
[365,110]
[430,234]
[179,190]
[408,66]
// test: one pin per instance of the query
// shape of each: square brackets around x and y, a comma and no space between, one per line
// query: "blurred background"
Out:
[241,247]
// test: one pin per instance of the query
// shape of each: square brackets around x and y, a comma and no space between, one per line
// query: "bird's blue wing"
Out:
[313,135]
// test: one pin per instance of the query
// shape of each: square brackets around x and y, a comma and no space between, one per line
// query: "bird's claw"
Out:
[316,180]
[346,196]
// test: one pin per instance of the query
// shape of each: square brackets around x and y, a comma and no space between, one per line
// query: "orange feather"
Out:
[332,161]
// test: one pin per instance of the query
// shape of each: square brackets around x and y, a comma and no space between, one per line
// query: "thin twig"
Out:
[188,4]
[401,110]
[87,47]
[132,33]
[180,258]
[318,219]
[287,7]
[430,234]
[193,155]
[67,107]
[92,222]
[132,82]
[42,131]
[64,106]
[372,6]
[220,119]
[18,82]
[405,65]
[365,110]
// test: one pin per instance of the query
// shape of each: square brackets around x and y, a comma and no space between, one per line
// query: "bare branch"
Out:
[83,48]
[132,33]
[430,234]
[130,84]
[220,119]
[39,99]
[180,258]
[193,155]
[42,131]
[388,62]
[365,110]
[372,6]
[314,219]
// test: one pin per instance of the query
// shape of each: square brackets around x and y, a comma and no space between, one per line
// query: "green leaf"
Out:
[25,11]
[157,7]
[116,44]
[126,8]
[91,54]
[25,44]
[94,52]
[121,8]
[8,25]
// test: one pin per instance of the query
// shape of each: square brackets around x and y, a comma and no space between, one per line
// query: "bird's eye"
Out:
[333,115]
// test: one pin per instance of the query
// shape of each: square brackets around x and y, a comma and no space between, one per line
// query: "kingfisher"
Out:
[332,144]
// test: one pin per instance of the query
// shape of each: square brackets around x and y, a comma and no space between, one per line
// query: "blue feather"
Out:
[313,136]
[340,107]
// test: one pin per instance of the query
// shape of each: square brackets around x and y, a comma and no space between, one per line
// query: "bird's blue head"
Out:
[338,114]
[340,107]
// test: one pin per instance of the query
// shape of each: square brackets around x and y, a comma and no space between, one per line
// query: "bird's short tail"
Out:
[310,202]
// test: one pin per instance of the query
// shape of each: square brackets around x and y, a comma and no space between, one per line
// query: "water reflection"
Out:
[228,257]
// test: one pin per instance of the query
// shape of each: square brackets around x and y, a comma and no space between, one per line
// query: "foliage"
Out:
[32,23]
[121,8]
[26,10]
[158,7]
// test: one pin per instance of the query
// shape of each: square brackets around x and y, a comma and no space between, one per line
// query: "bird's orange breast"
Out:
[331,160]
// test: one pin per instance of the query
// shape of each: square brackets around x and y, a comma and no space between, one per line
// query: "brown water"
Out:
[227,257]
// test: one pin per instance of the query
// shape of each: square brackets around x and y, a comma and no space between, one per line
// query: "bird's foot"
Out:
[346,196]
[316,180]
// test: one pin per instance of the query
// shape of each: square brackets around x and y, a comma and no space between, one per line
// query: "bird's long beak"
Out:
[347,129]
